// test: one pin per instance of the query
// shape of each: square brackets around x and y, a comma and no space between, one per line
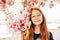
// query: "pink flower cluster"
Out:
[2,5]
[9,2]
[19,24]
[37,3]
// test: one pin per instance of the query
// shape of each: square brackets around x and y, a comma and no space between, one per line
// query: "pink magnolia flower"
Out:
[9,2]
[2,5]
[31,2]
[50,5]
[41,3]
[20,22]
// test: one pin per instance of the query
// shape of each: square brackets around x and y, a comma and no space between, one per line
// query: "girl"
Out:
[38,29]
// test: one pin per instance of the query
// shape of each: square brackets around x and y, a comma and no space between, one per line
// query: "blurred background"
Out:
[11,11]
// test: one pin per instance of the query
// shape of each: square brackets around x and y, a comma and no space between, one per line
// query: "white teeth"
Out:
[37,21]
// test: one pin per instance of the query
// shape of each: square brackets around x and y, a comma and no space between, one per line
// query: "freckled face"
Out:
[36,17]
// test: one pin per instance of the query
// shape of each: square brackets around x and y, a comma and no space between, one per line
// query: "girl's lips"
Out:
[37,21]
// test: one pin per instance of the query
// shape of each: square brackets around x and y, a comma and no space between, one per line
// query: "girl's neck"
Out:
[37,29]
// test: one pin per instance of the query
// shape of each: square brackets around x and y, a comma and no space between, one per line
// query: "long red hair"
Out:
[44,33]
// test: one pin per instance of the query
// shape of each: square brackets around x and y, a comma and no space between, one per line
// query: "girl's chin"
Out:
[37,24]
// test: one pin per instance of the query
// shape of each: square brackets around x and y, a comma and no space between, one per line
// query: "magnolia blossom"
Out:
[37,3]
[31,2]
[2,5]
[9,2]
[19,22]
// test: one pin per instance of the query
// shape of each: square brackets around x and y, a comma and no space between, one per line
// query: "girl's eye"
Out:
[38,15]
[33,16]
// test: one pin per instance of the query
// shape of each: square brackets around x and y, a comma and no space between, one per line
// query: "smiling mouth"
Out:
[37,21]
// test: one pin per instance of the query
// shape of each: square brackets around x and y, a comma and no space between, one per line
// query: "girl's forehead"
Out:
[36,12]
